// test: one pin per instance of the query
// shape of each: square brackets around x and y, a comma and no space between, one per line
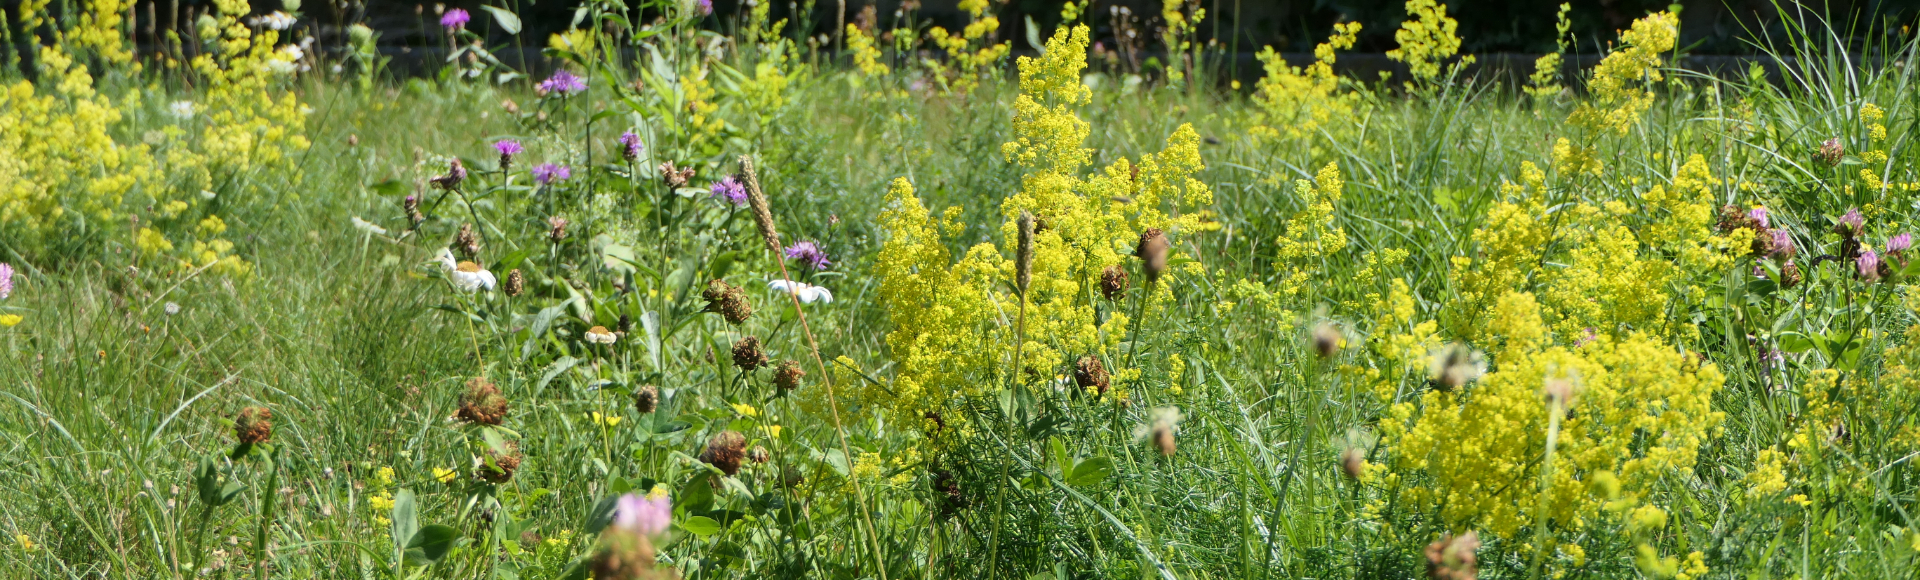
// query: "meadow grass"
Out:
[1230,446]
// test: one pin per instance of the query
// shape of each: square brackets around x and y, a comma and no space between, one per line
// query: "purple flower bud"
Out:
[1869,265]
[1850,224]
[6,280]
[630,145]
[508,147]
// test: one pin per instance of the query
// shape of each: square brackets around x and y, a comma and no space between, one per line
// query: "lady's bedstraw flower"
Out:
[454,19]
[630,146]
[599,335]
[6,280]
[547,173]
[807,293]
[810,254]
[507,148]
[729,189]
[649,514]
[563,81]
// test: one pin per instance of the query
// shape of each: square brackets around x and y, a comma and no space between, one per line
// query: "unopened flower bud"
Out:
[1113,282]
[1152,252]
[646,399]
[516,283]
[747,354]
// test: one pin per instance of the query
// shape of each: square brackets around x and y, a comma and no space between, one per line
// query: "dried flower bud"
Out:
[625,555]
[455,174]
[1454,365]
[725,451]
[1452,557]
[1353,463]
[412,205]
[747,354]
[253,425]
[511,107]
[1831,152]
[516,283]
[675,178]
[1023,256]
[556,229]
[1089,373]
[757,200]
[1113,282]
[1152,252]
[497,468]
[787,377]
[1790,275]
[482,403]
[353,140]
[731,302]
[1327,340]
[623,325]
[467,242]
[759,454]
[790,477]
[646,399]
[1163,440]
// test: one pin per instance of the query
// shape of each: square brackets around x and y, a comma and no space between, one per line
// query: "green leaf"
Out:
[507,20]
[1033,37]
[696,496]
[389,187]
[494,440]
[1091,472]
[617,257]
[405,522]
[702,526]
[601,514]
[430,544]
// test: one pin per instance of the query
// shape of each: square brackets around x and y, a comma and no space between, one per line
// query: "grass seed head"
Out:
[725,451]
[757,201]
[482,404]
[1023,258]
[253,425]
[747,354]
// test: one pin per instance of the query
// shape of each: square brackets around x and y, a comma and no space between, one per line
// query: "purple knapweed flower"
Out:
[730,189]
[630,145]
[810,254]
[547,173]
[1869,265]
[1899,243]
[705,7]
[563,81]
[1758,214]
[455,18]
[508,147]
[647,515]
[6,280]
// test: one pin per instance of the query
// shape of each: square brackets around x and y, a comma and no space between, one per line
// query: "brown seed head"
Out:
[747,354]
[787,377]
[556,229]
[482,403]
[253,425]
[1831,152]
[1023,257]
[467,242]
[758,454]
[646,399]
[757,200]
[1353,463]
[498,468]
[1113,282]
[1327,340]
[725,451]
[675,177]
[1152,252]
[1090,374]
[516,283]
[728,300]
[1452,557]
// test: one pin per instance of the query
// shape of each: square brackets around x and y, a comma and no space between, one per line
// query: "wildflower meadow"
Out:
[686,291]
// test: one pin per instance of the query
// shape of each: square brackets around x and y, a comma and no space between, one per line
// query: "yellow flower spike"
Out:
[745,410]
[9,320]
[604,420]
[443,475]
[25,542]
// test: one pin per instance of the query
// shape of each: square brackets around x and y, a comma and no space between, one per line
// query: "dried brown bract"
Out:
[725,451]
[482,403]
[646,399]
[747,354]
[1113,282]
[1089,373]
[253,425]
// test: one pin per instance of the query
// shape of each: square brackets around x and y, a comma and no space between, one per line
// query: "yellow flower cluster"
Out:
[1545,81]
[1619,97]
[1426,41]
[973,58]
[1309,236]
[866,54]
[1179,34]
[953,322]
[1640,411]
[1850,425]
[1300,101]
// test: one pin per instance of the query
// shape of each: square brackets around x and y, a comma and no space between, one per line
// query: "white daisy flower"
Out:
[805,292]
[445,258]
[182,110]
[277,20]
[600,335]
[469,277]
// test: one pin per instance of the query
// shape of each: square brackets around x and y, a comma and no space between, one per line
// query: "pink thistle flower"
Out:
[810,254]
[730,189]
[547,173]
[563,81]
[455,19]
